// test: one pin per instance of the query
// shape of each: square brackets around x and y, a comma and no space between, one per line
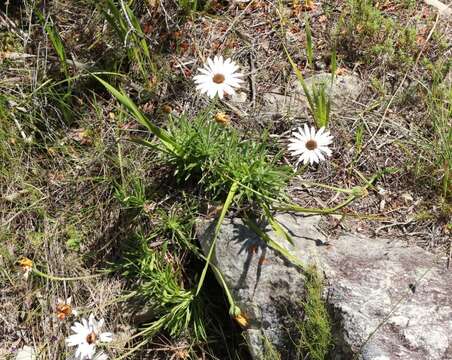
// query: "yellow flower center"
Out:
[311,144]
[218,78]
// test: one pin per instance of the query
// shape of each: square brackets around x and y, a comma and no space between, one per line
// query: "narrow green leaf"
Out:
[227,204]
[164,137]
[309,45]
[276,226]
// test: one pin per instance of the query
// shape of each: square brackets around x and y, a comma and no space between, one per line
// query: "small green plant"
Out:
[131,195]
[318,98]
[436,151]
[315,329]
[365,34]
[74,238]
[128,29]
[239,171]
[190,6]
[56,41]
[320,102]
[358,142]
[270,353]
[161,286]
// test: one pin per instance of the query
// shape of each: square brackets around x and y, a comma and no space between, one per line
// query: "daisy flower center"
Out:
[91,338]
[311,144]
[218,78]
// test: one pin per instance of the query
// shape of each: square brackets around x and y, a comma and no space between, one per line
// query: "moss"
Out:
[315,329]
[270,353]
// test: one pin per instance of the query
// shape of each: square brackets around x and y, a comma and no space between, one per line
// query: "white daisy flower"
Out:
[87,336]
[311,147]
[218,77]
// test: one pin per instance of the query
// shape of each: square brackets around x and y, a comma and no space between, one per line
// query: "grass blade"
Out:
[166,140]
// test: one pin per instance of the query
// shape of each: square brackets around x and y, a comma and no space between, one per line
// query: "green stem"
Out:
[62,278]
[232,306]
[317,210]
[227,204]
[329,187]
[273,244]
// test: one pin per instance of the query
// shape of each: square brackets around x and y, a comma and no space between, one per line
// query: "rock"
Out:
[388,301]
[344,89]
[263,284]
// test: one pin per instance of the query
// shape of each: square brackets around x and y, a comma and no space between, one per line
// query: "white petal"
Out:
[210,63]
[228,90]
[106,337]
[324,140]
[297,152]
[320,132]
[100,356]
[306,130]
[313,157]
[312,132]
[73,340]
[92,322]
[100,324]
[204,71]
[319,155]
[326,150]
[211,92]
[202,88]
[201,78]
[301,137]
[305,157]
[297,145]
[233,82]
[90,351]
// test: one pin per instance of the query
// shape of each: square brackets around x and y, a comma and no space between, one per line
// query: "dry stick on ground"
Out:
[237,18]
[399,87]
[234,109]
[253,80]
[11,26]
